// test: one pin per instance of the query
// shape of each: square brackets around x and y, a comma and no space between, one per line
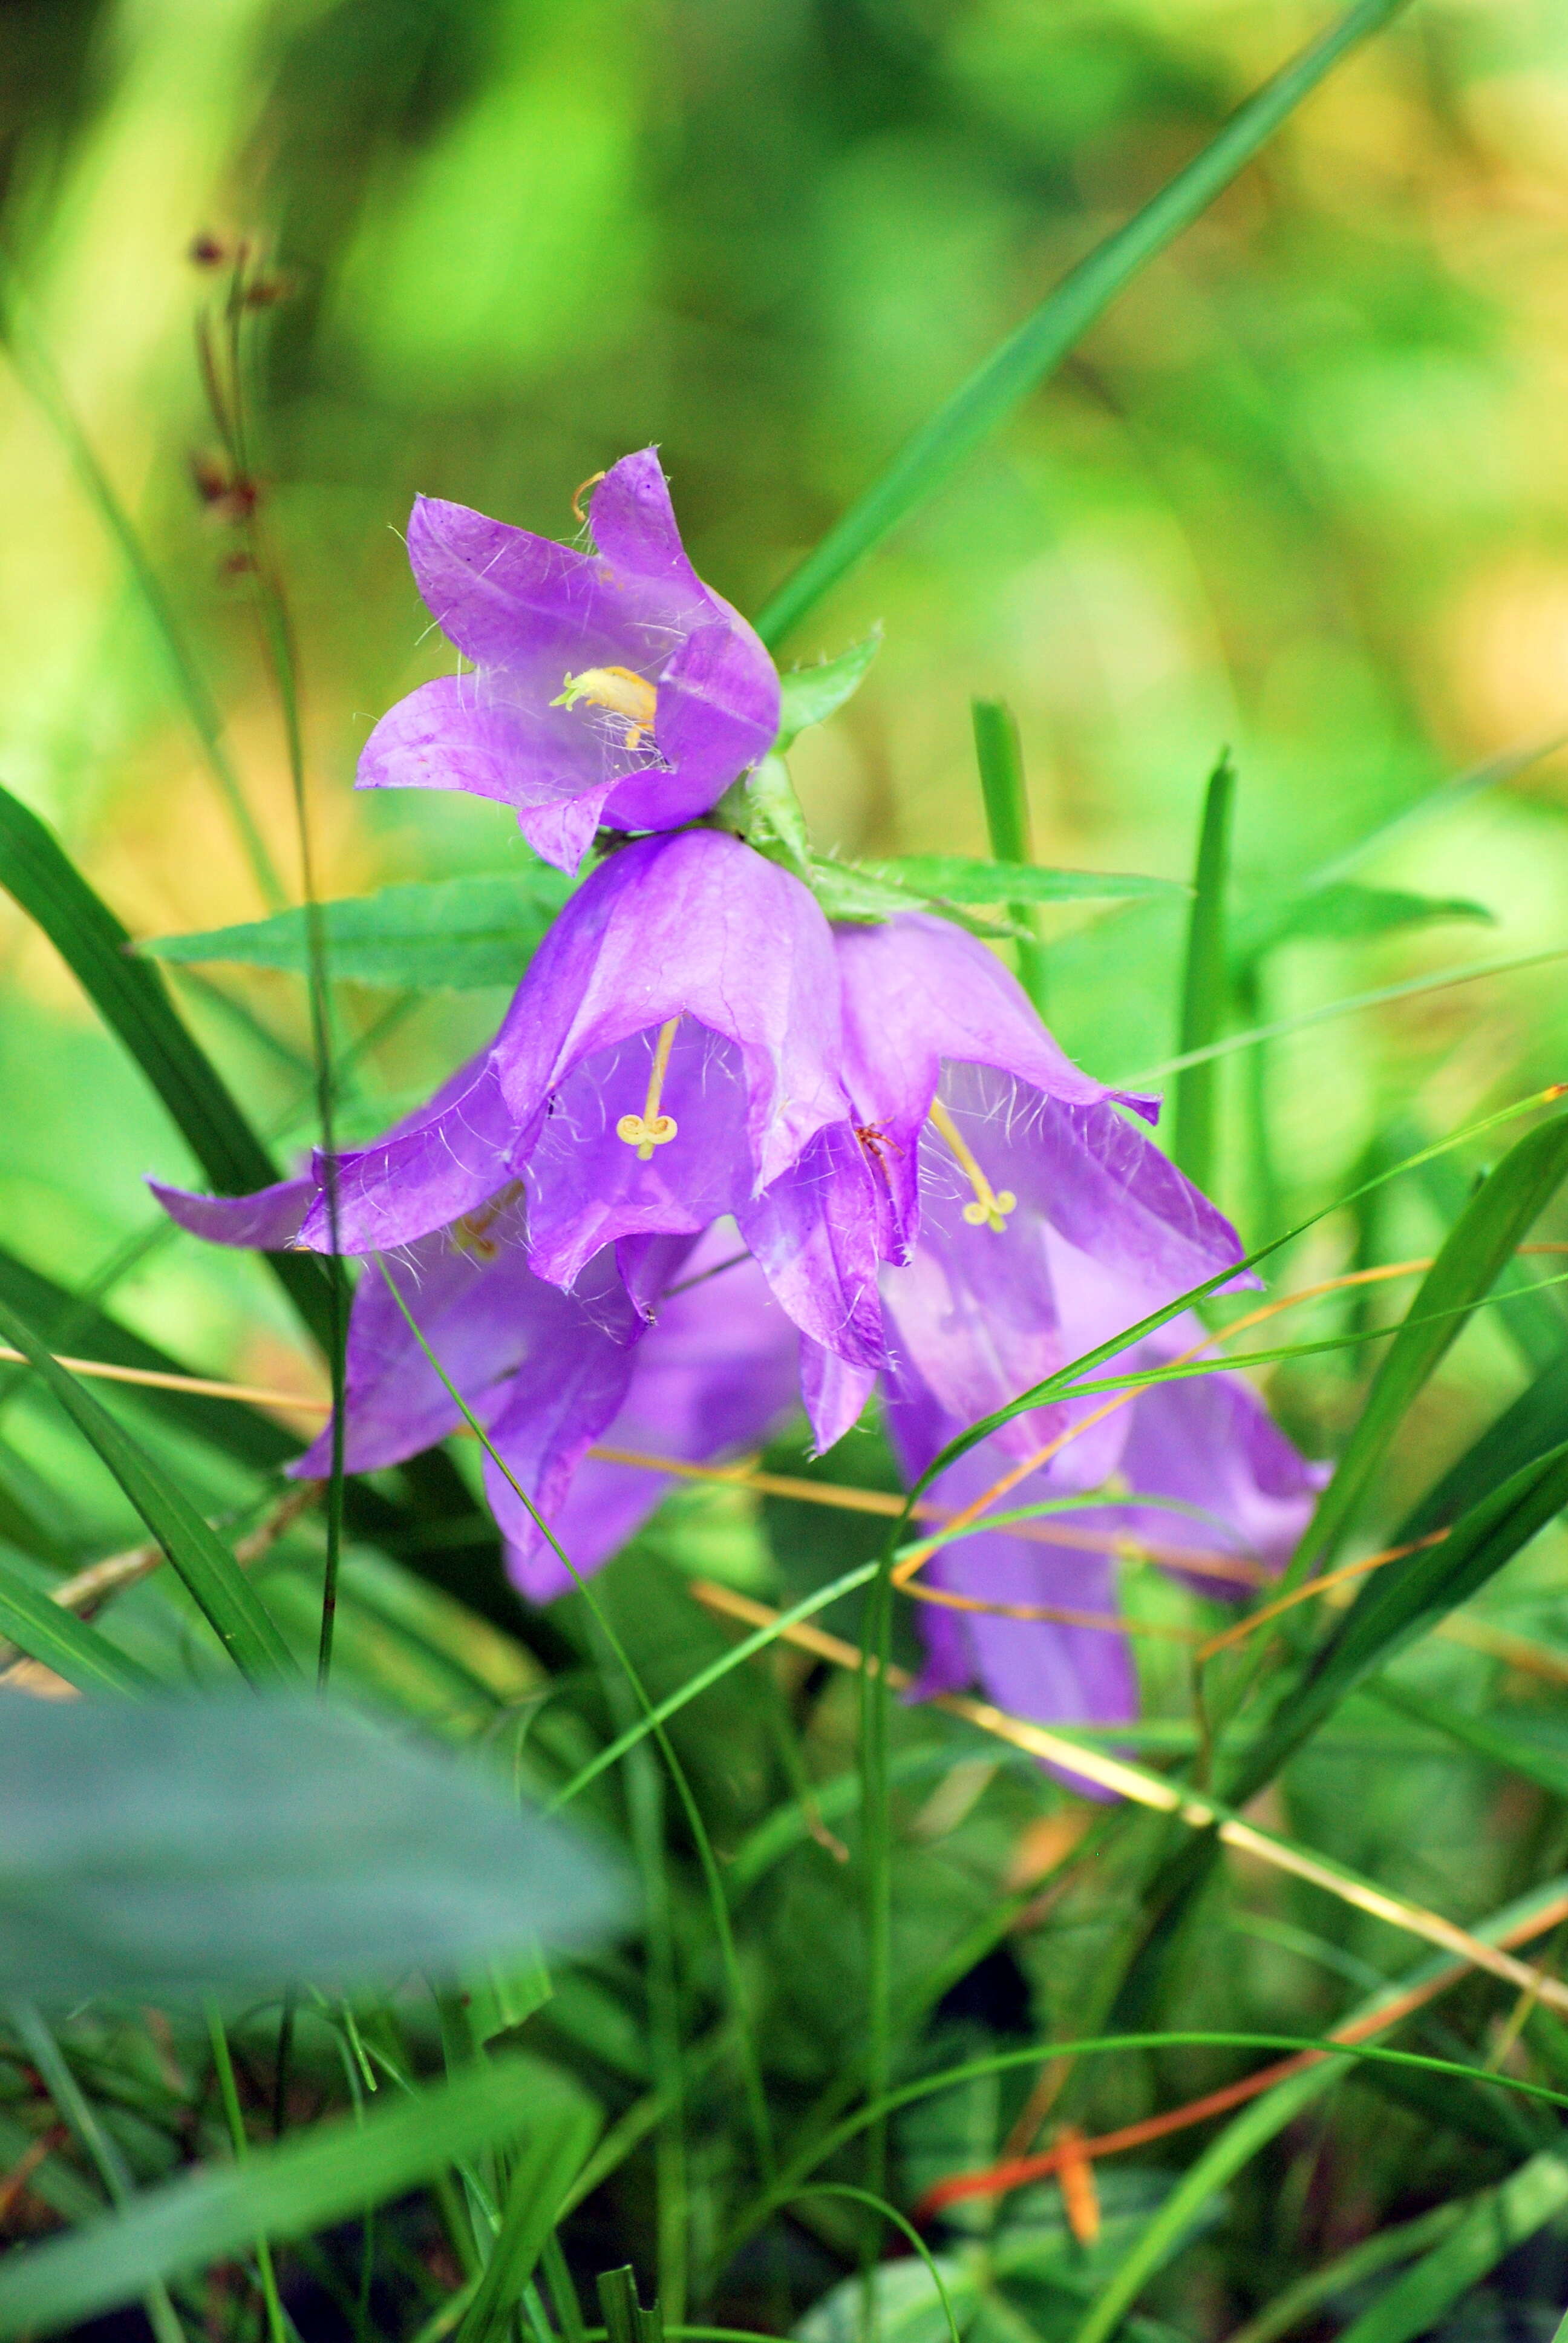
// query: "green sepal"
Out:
[763,809]
[810,695]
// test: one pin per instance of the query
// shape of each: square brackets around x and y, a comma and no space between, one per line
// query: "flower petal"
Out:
[268,1220]
[718,717]
[716,1373]
[693,925]
[422,1177]
[813,1233]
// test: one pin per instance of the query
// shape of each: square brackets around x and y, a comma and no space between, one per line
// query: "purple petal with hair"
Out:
[669,695]
[268,1220]
[695,925]
[716,1373]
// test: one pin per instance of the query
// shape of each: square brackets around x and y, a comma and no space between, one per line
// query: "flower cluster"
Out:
[722,1150]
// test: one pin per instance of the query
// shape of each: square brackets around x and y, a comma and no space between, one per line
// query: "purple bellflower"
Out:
[672,1057]
[610,687]
[1191,1466]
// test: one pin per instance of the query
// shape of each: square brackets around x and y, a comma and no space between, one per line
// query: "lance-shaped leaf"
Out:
[966,879]
[1496,2221]
[309,2182]
[236,1611]
[453,934]
[130,997]
[1344,913]
[184,1844]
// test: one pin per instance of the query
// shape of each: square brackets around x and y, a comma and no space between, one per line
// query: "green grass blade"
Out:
[1527,1428]
[63,1642]
[1250,2132]
[215,1579]
[1483,1737]
[1496,2221]
[1402,1602]
[1006,378]
[339,2169]
[130,996]
[66,1322]
[999,755]
[552,2157]
[1494,1223]
[1378,2252]
[1205,983]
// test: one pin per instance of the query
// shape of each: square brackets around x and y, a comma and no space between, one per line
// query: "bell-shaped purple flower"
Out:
[997,1160]
[547,1372]
[610,687]
[672,1056]
[1196,1466]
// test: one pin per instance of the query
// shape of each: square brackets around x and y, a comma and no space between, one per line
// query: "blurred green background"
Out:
[1305,491]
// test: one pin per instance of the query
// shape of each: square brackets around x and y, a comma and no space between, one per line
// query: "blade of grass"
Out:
[217,1584]
[1378,2252]
[1444,981]
[234,2115]
[551,2157]
[1251,2131]
[1205,983]
[130,997]
[308,2182]
[1494,2223]
[1494,1223]
[72,2103]
[999,755]
[1004,379]
[75,1651]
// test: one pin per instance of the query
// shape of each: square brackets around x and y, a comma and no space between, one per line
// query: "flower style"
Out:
[613,686]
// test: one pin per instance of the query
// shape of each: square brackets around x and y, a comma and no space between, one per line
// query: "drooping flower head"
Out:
[672,1057]
[611,686]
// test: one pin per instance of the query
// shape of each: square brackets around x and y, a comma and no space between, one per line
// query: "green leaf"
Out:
[553,2155]
[1494,1223]
[452,933]
[1344,913]
[810,695]
[236,1611]
[64,1643]
[341,2168]
[1205,990]
[1496,2221]
[189,1843]
[1037,346]
[855,891]
[131,999]
[963,878]
[1384,2247]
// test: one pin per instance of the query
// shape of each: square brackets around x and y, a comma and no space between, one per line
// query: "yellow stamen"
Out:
[990,1207]
[649,1129]
[622,691]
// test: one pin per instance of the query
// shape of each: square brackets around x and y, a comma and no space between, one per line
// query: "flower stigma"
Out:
[620,689]
[649,1129]
[990,1207]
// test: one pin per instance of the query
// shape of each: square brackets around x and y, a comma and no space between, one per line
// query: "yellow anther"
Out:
[649,1129]
[471,1230]
[620,689]
[990,1205]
